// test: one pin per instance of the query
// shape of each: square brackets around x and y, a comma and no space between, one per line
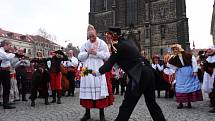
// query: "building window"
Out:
[162,31]
[131,12]
[23,37]
[162,12]
[29,51]
[105,4]
[10,34]
[147,31]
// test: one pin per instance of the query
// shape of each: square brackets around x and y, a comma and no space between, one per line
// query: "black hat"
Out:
[59,52]
[115,30]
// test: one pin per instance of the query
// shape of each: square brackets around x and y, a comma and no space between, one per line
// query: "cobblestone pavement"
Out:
[70,110]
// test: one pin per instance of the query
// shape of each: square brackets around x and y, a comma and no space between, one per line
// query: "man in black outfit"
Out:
[141,76]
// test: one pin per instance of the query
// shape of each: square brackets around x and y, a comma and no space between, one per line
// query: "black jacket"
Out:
[130,60]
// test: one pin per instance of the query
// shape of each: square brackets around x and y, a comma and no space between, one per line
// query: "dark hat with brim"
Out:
[115,30]
[58,52]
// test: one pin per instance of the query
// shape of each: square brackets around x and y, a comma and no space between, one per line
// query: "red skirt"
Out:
[189,97]
[101,103]
[55,81]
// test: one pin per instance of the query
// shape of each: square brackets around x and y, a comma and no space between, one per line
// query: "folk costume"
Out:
[209,76]
[141,77]
[56,75]
[40,79]
[188,88]
[118,79]
[94,90]
[21,75]
[5,66]
[169,76]
[71,67]
[14,91]
[158,66]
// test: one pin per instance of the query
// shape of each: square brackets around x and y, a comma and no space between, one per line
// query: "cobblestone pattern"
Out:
[70,110]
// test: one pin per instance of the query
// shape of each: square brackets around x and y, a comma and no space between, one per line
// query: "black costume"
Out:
[141,79]
[21,76]
[40,80]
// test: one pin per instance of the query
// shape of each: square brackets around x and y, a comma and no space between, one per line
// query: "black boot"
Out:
[6,103]
[212,110]
[101,114]
[158,91]
[32,103]
[86,115]
[58,100]
[189,105]
[46,101]
[24,97]
[8,107]
[180,106]
[54,97]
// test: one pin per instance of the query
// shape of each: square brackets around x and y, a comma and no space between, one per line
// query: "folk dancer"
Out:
[5,65]
[169,76]
[93,90]
[71,67]
[40,79]
[142,79]
[209,76]
[188,88]
[56,75]
[21,73]
[158,66]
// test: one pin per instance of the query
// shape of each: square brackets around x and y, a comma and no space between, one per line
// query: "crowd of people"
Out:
[44,74]
[113,62]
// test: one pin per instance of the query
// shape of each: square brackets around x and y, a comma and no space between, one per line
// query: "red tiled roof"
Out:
[28,38]
[16,36]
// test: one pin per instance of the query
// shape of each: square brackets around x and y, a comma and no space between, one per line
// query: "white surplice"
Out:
[92,87]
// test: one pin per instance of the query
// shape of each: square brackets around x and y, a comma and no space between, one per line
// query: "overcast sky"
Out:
[68,19]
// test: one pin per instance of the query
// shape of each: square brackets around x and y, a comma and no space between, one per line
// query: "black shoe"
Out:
[102,115]
[210,105]
[24,100]
[189,105]
[53,101]
[33,104]
[180,106]
[47,102]
[212,110]
[102,118]
[58,101]
[17,100]
[85,117]
[8,107]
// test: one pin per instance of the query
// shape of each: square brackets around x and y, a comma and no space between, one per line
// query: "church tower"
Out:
[152,24]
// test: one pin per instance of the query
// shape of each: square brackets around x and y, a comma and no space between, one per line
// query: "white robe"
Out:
[92,87]
[208,80]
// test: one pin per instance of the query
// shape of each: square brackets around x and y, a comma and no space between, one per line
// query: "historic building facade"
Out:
[213,24]
[29,43]
[153,24]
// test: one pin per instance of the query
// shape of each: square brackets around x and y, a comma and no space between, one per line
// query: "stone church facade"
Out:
[153,24]
[213,24]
